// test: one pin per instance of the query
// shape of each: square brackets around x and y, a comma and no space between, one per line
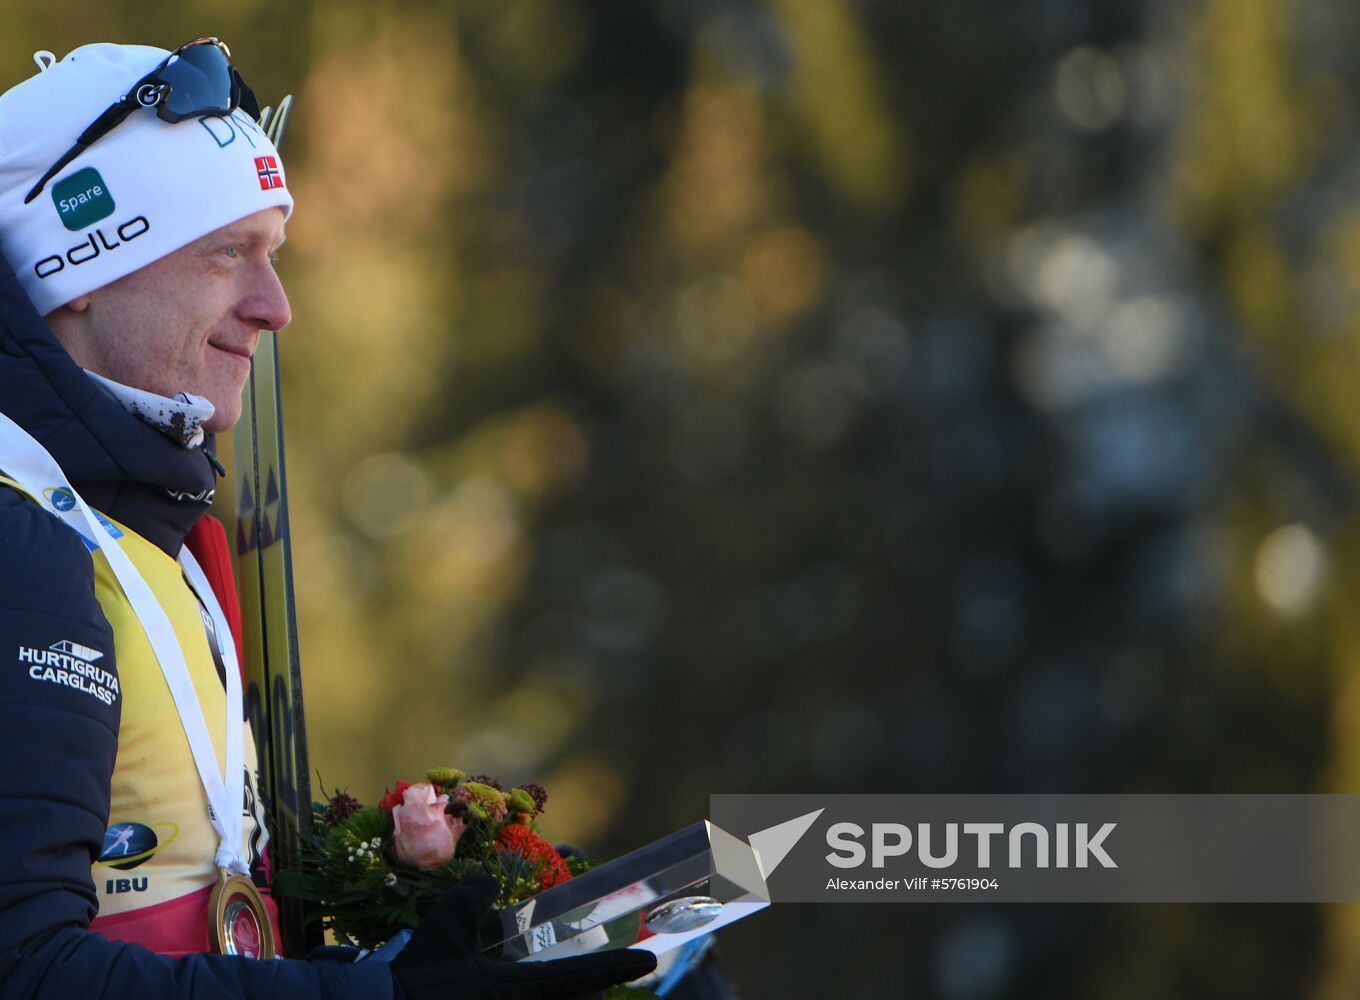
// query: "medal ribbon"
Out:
[27,462]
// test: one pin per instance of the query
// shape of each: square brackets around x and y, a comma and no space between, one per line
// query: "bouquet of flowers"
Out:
[368,872]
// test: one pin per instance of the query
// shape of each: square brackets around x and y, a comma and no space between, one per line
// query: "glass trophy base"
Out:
[657,898]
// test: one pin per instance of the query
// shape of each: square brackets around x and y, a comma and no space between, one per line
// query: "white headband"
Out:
[140,192]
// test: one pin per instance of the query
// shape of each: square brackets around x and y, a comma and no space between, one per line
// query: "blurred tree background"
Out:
[691,396]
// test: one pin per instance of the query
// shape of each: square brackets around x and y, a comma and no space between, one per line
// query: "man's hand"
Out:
[444,960]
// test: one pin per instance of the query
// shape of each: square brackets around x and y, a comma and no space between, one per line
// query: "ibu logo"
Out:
[127,845]
[82,199]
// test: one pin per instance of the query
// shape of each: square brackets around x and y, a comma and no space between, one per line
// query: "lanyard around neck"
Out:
[28,463]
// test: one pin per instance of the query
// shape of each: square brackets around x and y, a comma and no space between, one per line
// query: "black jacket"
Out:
[58,746]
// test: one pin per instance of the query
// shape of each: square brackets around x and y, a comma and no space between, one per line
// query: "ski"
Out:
[253,506]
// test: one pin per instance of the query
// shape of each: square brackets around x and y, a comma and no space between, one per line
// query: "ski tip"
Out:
[279,121]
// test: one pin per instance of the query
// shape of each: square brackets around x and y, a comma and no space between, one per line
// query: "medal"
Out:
[238,923]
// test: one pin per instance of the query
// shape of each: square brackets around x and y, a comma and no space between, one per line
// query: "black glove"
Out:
[444,960]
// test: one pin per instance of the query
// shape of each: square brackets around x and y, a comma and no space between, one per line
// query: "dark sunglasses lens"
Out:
[200,80]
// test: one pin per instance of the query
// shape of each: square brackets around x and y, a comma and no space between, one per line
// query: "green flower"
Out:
[522,802]
[483,801]
[445,776]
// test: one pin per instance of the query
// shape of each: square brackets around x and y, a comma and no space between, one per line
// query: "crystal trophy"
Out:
[657,898]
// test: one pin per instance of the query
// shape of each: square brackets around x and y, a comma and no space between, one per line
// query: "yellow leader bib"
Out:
[160,841]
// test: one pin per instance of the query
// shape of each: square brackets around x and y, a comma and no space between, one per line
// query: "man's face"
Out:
[188,322]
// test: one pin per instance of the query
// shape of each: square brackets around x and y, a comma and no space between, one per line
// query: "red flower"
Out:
[391,800]
[548,864]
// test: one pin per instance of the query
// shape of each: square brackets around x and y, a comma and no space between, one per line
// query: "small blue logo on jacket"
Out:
[61,498]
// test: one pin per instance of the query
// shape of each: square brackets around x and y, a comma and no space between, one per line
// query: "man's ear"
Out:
[67,324]
[77,305]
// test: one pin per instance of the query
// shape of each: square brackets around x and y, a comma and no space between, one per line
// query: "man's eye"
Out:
[231,252]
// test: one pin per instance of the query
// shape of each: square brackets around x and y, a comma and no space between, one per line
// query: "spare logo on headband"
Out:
[82,199]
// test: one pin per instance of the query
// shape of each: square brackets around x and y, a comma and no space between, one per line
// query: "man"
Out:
[140,207]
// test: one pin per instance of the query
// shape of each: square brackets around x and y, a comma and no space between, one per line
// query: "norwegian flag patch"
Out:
[271,176]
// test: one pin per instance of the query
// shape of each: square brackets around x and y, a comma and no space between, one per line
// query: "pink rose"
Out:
[425,835]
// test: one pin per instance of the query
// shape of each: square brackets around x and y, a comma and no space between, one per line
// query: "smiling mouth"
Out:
[240,352]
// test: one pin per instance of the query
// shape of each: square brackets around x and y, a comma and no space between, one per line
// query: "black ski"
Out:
[253,505]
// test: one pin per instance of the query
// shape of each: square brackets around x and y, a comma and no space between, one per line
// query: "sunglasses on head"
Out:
[194,81]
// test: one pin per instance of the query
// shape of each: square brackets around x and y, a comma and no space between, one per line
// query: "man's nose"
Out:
[267,303]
